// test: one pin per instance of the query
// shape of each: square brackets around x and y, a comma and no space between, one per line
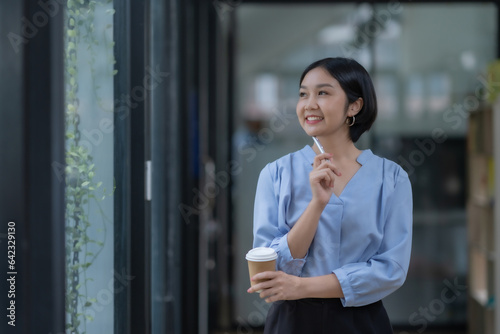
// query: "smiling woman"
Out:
[340,83]
[420,81]
[313,216]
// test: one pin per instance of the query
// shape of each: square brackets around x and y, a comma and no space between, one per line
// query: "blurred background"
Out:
[133,133]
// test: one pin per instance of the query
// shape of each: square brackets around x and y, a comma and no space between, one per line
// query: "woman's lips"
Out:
[313,119]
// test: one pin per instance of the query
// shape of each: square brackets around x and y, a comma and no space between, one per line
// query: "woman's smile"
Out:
[313,119]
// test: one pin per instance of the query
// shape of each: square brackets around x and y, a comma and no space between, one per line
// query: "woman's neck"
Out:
[340,148]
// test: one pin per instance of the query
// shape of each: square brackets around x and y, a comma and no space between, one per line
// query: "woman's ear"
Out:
[355,107]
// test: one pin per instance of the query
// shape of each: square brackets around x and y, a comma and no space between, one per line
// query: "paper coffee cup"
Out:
[260,259]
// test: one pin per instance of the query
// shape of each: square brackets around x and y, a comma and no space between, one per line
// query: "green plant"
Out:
[80,170]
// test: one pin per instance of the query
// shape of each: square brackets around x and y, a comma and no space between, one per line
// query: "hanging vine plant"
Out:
[81,186]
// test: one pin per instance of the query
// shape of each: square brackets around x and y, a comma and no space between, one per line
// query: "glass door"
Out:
[91,281]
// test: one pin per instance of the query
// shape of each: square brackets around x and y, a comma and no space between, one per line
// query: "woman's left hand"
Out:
[279,286]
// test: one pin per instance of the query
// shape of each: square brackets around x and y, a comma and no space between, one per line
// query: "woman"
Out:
[340,221]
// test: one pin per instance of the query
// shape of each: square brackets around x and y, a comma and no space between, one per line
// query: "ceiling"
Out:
[267,34]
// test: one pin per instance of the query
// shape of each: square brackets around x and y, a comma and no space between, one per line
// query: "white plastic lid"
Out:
[261,254]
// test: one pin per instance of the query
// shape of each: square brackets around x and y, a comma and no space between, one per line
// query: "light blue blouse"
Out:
[363,236]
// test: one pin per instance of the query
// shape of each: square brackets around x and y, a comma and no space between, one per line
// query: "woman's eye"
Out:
[322,93]
[302,94]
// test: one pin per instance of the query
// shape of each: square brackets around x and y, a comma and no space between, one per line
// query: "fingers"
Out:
[261,287]
[325,176]
[266,289]
[267,276]
[318,159]
[322,161]
[278,286]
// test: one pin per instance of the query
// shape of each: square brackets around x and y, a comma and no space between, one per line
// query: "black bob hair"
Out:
[356,83]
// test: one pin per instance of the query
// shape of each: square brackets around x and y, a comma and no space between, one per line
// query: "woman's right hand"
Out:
[322,178]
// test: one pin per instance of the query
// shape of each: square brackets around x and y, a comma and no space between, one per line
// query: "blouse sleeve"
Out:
[367,282]
[269,227]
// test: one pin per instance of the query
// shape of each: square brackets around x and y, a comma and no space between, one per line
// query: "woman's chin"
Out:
[312,133]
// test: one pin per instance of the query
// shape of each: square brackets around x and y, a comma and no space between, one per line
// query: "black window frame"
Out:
[32,183]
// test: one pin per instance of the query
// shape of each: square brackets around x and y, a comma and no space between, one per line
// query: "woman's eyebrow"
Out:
[318,86]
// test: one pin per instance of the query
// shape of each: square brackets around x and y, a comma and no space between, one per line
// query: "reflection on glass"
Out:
[89,166]
[415,99]
[266,91]
[439,89]
[387,96]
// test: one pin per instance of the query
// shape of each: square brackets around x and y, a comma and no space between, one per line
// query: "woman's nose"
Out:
[311,104]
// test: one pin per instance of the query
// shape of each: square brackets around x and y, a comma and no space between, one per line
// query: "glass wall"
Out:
[89,70]
[427,62]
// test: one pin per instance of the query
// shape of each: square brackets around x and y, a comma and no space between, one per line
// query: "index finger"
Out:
[320,157]
[327,163]
[263,275]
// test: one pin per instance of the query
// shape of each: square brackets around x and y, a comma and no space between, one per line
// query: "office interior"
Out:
[133,133]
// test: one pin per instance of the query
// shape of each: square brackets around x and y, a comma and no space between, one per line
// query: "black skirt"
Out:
[326,316]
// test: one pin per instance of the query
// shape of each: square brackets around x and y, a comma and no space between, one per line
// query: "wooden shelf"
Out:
[481,223]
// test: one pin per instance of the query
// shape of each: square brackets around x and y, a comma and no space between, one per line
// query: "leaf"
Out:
[86,183]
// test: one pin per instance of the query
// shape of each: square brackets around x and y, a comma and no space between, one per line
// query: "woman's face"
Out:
[322,105]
